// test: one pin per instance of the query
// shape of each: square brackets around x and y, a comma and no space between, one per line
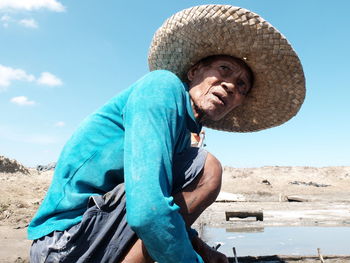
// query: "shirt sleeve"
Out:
[153,117]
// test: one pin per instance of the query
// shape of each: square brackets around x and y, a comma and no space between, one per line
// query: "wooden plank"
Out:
[259,215]
[295,198]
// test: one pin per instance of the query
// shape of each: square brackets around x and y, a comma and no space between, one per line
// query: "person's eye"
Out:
[242,87]
[225,71]
[240,83]
[225,68]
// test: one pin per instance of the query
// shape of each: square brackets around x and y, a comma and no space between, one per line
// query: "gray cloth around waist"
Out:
[104,235]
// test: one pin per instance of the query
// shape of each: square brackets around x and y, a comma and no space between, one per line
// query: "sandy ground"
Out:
[325,192]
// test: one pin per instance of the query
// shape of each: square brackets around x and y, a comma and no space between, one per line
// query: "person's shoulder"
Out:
[162,77]
[163,73]
[161,83]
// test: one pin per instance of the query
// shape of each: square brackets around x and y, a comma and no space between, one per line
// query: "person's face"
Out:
[218,88]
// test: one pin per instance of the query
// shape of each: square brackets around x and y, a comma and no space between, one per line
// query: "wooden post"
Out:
[320,255]
[235,254]
[217,246]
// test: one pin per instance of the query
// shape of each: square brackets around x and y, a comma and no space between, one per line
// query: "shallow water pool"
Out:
[280,240]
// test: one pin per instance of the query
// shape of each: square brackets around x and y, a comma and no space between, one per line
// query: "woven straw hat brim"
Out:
[202,31]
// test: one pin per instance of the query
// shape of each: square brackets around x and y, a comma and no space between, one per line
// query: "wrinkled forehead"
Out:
[219,58]
[236,62]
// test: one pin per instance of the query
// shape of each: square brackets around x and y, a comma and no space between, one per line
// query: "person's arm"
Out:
[207,253]
[152,120]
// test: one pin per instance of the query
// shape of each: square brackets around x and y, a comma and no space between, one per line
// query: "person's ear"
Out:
[192,72]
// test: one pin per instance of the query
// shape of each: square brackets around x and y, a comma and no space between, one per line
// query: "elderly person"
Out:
[128,186]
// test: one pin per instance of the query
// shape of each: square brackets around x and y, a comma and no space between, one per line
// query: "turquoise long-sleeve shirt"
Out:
[131,139]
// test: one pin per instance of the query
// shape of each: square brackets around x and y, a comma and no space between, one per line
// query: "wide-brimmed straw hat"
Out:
[201,31]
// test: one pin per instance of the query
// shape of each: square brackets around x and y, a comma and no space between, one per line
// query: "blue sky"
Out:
[60,60]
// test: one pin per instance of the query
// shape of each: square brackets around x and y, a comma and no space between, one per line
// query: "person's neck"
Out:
[197,112]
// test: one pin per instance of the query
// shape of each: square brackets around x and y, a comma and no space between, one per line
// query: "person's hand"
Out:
[208,254]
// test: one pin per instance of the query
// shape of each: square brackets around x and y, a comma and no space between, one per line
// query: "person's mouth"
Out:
[220,97]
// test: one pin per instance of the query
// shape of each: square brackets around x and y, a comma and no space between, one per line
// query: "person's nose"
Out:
[229,87]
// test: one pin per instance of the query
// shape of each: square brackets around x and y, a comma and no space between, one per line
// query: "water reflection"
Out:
[259,241]
[246,230]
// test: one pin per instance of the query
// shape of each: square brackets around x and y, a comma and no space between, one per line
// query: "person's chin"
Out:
[214,116]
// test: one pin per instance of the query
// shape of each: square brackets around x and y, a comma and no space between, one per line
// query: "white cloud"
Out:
[22,101]
[8,74]
[60,124]
[31,23]
[5,19]
[49,79]
[30,5]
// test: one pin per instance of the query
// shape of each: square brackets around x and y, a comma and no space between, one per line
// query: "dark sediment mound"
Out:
[11,166]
